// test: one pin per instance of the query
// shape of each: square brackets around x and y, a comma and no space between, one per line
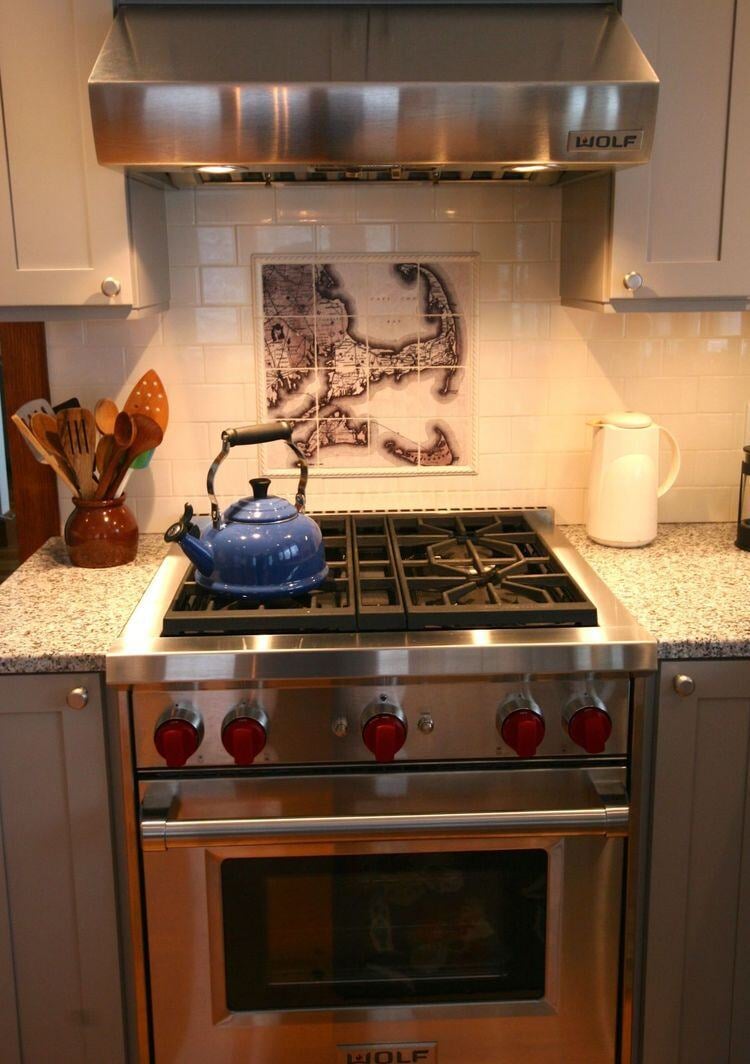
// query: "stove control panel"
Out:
[255,725]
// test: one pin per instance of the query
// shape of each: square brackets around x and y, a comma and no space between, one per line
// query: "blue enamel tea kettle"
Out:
[262,547]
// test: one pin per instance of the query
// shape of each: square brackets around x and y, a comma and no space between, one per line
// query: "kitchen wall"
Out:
[542,369]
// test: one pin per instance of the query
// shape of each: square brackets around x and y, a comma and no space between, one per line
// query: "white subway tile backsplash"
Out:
[463,202]
[513,242]
[181,207]
[369,238]
[568,469]
[494,359]
[587,397]
[536,281]
[177,365]
[318,203]
[184,285]
[202,325]
[417,237]
[225,285]
[669,395]
[569,323]
[534,204]
[185,440]
[155,479]
[548,358]
[388,203]
[542,369]
[268,240]
[553,433]
[216,245]
[230,363]
[110,333]
[720,393]
[235,206]
[496,281]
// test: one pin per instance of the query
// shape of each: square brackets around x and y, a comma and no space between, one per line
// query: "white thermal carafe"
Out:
[624,481]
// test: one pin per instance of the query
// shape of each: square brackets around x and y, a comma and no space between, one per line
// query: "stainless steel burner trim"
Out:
[619,643]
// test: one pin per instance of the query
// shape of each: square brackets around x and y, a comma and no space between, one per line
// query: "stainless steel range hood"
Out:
[354,90]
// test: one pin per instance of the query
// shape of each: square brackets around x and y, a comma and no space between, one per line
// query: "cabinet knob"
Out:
[77,698]
[111,286]
[633,281]
[684,685]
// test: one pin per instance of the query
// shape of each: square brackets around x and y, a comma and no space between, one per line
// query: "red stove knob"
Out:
[589,724]
[178,735]
[384,730]
[244,738]
[523,731]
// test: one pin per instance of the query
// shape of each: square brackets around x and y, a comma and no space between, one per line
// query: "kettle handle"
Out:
[674,466]
[264,432]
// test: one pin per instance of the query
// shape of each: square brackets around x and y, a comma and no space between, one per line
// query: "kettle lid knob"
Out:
[260,486]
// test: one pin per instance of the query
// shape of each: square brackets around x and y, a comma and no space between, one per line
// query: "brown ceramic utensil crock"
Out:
[101,533]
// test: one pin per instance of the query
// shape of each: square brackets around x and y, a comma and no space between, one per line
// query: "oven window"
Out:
[387,929]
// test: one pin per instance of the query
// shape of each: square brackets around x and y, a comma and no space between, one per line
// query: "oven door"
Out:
[383,918]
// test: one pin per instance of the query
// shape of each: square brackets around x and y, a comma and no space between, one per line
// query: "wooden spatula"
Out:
[148,397]
[45,430]
[78,436]
[43,455]
[24,414]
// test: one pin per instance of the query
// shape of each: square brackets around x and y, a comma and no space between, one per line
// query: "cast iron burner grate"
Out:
[482,571]
[418,572]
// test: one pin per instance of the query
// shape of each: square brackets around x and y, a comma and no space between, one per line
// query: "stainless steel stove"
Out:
[396,820]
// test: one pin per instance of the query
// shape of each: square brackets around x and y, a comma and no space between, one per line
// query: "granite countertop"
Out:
[689,589]
[56,617]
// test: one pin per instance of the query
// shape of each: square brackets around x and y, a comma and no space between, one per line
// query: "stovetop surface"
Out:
[364,628]
[407,572]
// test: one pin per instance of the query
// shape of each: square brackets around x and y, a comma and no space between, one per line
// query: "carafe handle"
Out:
[674,465]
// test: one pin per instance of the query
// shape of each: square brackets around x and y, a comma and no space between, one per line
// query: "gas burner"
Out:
[415,572]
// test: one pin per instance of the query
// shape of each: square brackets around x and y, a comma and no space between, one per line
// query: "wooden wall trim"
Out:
[33,486]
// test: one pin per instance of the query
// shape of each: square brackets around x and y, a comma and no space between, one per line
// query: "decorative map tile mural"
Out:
[372,358]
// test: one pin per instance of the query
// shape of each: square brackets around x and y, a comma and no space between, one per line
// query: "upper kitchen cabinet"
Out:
[73,234]
[677,229]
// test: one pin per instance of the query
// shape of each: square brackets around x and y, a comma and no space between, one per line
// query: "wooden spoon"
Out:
[103,453]
[79,444]
[122,438]
[105,413]
[148,435]
[44,427]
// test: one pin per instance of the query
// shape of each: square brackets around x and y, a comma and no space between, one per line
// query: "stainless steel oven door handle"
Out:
[163,828]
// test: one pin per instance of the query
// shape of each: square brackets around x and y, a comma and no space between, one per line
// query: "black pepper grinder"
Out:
[743,510]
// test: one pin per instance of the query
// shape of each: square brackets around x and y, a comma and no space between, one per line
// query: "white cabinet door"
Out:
[63,218]
[683,220]
[62,1000]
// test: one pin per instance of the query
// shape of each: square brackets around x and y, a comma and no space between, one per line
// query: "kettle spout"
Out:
[188,536]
